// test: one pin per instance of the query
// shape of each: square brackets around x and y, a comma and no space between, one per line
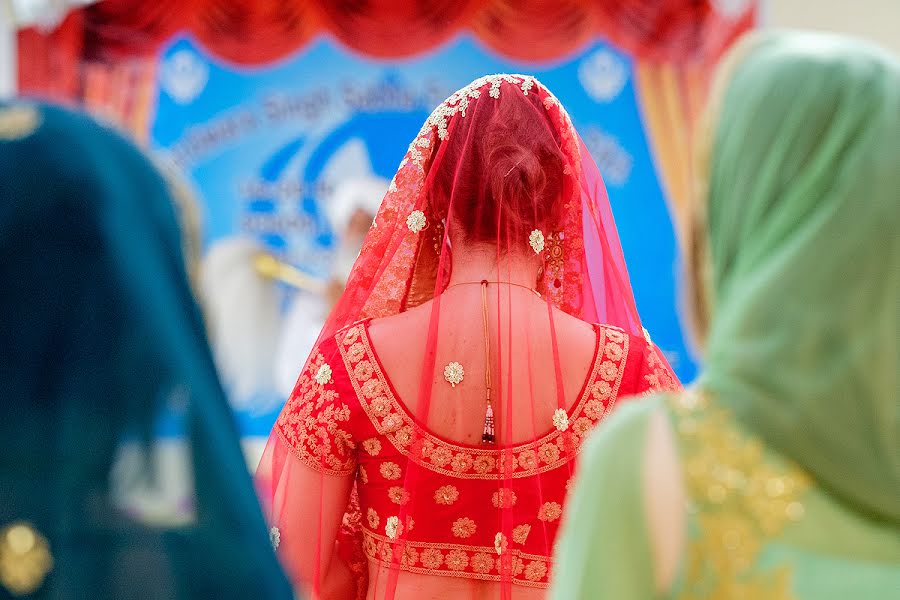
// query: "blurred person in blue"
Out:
[120,470]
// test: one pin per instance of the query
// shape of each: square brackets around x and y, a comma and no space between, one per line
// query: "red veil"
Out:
[430,439]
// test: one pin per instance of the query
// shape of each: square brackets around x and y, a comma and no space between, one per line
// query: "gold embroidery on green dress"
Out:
[738,500]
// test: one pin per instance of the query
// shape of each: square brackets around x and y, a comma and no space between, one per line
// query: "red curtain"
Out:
[251,33]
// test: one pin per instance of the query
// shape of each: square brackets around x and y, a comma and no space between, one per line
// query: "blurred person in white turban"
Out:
[351,210]
[259,343]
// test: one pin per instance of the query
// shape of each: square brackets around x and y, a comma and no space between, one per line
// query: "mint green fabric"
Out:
[803,215]
[803,349]
[832,553]
[605,517]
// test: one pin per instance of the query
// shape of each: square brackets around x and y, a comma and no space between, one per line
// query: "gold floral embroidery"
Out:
[528,459]
[390,471]
[391,419]
[398,495]
[464,527]
[582,426]
[311,422]
[659,378]
[461,462]
[363,474]
[372,446]
[608,370]
[380,406]
[440,456]
[503,498]
[593,409]
[483,463]
[613,351]
[372,389]
[739,499]
[550,511]
[410,557]
[432,558]
[373,519]
[457,560]
[482,562]
[446,495]
[520,533]
[535,570]
[404,435]
[473,562]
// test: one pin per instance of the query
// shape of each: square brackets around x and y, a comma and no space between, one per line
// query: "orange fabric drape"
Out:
[671,96]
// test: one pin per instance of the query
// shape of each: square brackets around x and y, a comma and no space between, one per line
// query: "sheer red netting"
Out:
[487,327]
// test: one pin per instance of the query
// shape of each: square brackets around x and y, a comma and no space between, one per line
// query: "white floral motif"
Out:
[323,375]
[560,419]
[454,373]
[458,102]
[416,221]
[536,241]
[500,543]
[392,526]
[275,537]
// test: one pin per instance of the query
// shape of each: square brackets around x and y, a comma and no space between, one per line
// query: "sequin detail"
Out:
[739,500]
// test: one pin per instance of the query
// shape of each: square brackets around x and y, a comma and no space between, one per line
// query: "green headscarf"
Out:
[98,331]
[803,266]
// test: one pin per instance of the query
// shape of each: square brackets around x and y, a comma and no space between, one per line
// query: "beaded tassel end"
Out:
[488,436]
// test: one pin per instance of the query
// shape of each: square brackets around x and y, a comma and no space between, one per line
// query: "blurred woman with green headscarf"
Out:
[120,470]
[786,451]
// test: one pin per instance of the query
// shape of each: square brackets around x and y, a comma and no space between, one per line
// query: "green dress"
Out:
[789,450]
[758,527]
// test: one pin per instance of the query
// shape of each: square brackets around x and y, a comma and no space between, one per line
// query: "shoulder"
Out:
[321,416]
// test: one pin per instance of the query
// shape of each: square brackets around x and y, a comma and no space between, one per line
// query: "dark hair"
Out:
[501,171]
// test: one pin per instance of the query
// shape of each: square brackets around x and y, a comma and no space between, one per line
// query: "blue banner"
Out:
[265,147]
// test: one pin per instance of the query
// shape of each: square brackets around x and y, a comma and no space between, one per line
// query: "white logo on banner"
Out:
[603,75]
[184,76]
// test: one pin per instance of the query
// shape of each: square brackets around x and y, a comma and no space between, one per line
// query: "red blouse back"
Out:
[429,505]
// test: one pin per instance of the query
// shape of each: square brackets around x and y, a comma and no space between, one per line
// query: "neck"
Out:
[481,263]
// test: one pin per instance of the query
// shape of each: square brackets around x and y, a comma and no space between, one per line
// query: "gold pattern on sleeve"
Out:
[739,498]
[311,422]
[659,377]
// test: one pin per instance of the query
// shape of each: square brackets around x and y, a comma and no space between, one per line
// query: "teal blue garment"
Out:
[99,331]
